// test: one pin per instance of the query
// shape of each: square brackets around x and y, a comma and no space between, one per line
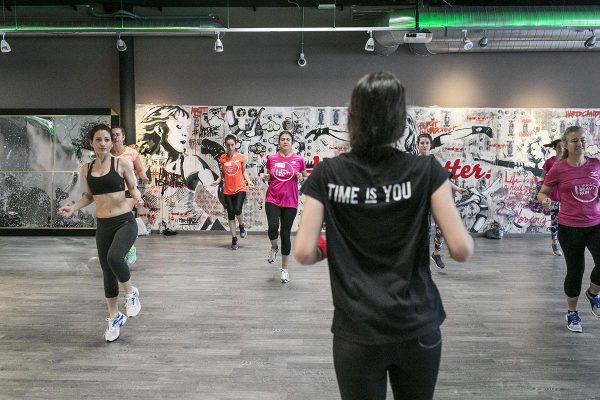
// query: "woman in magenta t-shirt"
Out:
[284,171]
[554,196]
[577,179]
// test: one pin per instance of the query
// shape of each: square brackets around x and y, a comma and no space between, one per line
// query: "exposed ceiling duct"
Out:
[87,21]
[493,29]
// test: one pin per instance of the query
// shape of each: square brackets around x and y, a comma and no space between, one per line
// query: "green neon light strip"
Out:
[99,29]
[498,18]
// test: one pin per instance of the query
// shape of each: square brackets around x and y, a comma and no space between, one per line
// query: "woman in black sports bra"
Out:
[104,181]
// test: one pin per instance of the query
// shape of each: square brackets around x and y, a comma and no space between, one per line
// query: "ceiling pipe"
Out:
[506,28]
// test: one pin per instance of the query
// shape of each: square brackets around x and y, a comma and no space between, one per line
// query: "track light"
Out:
[370,45]
[4,46]
[591,41]
[483,42]
[121,46]
[467,44]
[218,44]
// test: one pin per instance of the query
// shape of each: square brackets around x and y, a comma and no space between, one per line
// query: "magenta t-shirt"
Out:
[554,195]
[578,190]
[283,179]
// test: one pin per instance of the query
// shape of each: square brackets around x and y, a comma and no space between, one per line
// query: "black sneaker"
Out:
[243,232]
[437,259]
[234,245]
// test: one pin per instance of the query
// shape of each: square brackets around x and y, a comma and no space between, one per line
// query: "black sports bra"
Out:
[110,183]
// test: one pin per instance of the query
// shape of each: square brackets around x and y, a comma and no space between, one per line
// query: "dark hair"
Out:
[424,135]
[285,133]
[377,114]
[122,130]
[230,137]
[100,127]
[568,131]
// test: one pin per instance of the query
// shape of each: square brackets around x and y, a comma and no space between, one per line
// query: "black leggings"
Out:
[234,204]
[114,238]
[412,365]
[287,215]
[573,242]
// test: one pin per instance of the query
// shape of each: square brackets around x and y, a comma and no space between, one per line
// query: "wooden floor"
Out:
[218,324]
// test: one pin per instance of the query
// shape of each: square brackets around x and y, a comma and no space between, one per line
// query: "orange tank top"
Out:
[233,173]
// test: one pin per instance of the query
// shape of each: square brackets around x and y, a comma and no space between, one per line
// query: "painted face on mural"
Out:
[536,152]
[576,143]
[424,146]
[177,133]
[102,142]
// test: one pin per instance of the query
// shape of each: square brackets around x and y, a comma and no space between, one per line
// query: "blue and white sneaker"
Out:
[573,322]
[595,303]
[132,303]
[131,256]
[114,324]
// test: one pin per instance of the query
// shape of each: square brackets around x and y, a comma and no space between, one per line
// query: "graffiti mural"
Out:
[496,154]
[40,157]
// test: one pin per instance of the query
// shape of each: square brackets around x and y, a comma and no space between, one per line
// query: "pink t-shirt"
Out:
[129,156]
[283,179]
[578,189]
[554,196]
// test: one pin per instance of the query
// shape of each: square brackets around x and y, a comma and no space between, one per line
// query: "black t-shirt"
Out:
[376,215]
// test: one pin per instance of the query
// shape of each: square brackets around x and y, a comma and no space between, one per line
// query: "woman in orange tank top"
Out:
[235,178]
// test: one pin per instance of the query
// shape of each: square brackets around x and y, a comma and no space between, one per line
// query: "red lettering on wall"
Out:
[466,171]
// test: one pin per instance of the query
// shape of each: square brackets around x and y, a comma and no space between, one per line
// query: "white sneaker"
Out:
[132,303]
[112,331]
[285,276]
[272,255]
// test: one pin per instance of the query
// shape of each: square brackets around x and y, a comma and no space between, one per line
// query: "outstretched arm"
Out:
[544,196]
[445,214]
[131,183]
[85,200]
[307,249]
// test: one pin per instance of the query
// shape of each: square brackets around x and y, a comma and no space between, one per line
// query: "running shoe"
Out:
[114,324]
[437,259]
[243,231]
[595,303]
[556,250]
[234,244]
[131,256]
[132,303]
[272,255]
[285,276]
[573,322]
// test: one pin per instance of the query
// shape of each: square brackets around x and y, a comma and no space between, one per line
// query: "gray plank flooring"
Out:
[218,324]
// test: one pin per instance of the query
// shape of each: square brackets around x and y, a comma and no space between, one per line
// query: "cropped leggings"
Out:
[286,215]
[114,238]
[412,365]
[234,204]
[574,241]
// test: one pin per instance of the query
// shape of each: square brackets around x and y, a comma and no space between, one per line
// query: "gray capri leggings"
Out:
[114,238]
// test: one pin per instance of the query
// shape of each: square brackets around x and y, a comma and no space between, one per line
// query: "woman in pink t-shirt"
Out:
[577,179]
[284,171]
[554,196]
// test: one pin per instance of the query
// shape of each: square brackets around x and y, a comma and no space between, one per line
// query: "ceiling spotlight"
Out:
[4,46]
[218,44]
[121,46]
[467,44]
[483,42]
[591,41]
[370,45]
